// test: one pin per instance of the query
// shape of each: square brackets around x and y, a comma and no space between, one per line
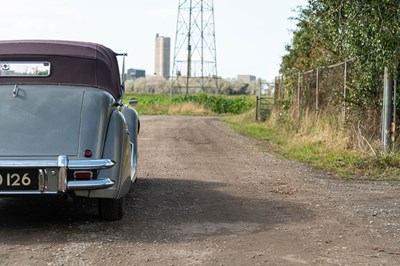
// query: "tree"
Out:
[365,31]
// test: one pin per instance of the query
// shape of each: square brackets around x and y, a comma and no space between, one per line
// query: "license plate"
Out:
[19,179]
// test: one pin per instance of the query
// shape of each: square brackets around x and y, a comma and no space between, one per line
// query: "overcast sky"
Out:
[250,35]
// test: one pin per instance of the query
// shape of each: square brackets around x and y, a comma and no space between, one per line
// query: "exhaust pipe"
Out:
[67,197]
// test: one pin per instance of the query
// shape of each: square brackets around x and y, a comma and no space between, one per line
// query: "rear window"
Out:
[24,69]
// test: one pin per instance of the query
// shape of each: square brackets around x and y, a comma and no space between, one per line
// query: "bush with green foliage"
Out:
[331,31]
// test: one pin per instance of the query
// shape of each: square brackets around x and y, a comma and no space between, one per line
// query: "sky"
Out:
[250,35]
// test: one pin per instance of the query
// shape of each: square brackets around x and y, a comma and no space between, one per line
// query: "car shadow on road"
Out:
[158,209]
[31,219]
[172,208]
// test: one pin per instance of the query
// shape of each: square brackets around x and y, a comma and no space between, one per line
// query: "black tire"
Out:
[112,209]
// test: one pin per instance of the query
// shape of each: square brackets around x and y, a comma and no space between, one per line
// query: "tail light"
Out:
[83,175]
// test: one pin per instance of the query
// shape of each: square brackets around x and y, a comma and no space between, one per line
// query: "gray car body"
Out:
[46,121]
[50,123]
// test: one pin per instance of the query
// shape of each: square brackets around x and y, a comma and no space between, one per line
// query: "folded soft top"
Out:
[72,63]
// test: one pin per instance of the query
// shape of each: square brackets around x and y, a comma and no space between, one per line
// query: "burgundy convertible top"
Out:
[72,63]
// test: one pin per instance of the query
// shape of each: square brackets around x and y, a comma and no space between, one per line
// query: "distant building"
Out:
[246,78]
[163,56]
[133,74]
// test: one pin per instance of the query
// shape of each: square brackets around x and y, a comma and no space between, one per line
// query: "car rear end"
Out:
[52,139]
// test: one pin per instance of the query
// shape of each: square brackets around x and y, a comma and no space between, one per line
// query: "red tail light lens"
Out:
[83,175]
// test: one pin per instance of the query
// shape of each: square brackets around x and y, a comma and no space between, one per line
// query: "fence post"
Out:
[317,92]
[394,116]
[298,94]
[387,110]
[276,91]
[257,107]
[344,91]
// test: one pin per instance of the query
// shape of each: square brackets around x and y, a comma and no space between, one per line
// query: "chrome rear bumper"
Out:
[62,165]
[90,184]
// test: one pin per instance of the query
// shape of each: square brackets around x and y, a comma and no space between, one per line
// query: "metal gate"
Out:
[264,107]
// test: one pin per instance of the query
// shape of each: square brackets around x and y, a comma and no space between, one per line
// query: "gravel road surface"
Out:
[207,196]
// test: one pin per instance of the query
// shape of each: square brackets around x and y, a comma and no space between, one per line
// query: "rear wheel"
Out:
[112,209]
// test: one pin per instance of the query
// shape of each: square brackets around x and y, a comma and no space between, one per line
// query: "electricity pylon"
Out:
[195,60]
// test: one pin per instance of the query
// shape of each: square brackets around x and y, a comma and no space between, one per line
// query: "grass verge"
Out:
[321,146]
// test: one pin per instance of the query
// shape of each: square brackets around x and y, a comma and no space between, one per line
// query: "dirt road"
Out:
[206,196]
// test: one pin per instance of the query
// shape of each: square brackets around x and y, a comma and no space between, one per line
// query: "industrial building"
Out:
[246,78]
[162,56]
[133,74]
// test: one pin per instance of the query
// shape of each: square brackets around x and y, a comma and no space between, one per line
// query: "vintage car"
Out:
[65,130]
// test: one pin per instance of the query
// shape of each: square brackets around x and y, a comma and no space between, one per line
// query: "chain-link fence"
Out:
[328,93]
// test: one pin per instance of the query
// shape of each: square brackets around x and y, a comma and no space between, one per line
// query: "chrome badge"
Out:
[5,67]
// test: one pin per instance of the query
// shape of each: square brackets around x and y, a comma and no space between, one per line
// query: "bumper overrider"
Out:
[58,169]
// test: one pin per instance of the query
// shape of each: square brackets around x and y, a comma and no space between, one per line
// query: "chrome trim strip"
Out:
[11,193]
[90,184]
[71,185]
[90,164]
[28,163]
[71,164]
